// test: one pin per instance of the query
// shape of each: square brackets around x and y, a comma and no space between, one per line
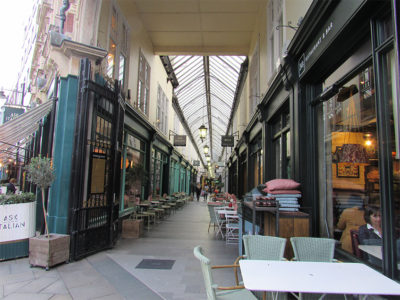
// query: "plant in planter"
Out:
[50,249]
[40,172]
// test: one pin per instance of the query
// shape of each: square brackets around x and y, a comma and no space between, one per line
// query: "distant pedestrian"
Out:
[198,191]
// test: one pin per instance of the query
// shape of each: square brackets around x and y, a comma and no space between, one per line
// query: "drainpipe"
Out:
[63,9]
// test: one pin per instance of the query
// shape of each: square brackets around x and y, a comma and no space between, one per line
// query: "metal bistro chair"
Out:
[221,222]
[262,247]
[316,250]
[232,229]
[215,292]
[213,219]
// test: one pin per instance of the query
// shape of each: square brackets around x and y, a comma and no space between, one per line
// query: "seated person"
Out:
[351,218]
[371,233]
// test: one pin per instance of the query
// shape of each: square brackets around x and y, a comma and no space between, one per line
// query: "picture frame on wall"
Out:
[347,170]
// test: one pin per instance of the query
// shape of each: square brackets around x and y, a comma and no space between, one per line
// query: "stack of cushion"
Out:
[286,192]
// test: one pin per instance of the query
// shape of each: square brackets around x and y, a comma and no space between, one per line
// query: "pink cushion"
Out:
[276,192]
[282,184]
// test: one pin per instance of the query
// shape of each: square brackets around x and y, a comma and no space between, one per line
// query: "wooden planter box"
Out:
[132,229]
[47,252]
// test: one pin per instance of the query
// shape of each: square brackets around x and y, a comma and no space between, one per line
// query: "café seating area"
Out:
[156,209]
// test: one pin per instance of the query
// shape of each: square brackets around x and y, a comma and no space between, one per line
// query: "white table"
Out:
[227,212]
[316,277]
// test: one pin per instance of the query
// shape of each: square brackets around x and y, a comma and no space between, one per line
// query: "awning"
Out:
[15,133]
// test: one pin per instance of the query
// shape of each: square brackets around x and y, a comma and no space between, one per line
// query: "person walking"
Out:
[198,191]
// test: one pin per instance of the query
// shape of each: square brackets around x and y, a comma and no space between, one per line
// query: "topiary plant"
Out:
[40,172]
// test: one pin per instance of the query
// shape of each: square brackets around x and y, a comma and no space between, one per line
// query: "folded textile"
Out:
[287,201]
[289,205]
[266,190]
[284,195]
[288,209]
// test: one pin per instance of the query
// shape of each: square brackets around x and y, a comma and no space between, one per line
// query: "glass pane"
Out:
[111,59]
[349,162]
[393,102]
[121,73]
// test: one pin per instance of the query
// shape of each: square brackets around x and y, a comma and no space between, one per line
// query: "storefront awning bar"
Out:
[21,127]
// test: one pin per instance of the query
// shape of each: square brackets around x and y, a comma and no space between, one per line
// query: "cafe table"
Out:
[316,277]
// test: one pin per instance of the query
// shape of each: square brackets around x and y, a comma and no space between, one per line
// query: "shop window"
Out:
[349,156]
[121,73]
[254,78]
[136,175]
[281,153]
[158,173]
[143,85]
[274,36]
[256,162]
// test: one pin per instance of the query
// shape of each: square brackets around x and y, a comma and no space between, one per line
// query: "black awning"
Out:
[14,133]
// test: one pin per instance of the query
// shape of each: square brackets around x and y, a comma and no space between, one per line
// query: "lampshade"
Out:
[206,148]
[203,132]
[208,158]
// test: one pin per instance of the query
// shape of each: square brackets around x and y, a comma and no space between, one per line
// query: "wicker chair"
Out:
[313,249]
[262,247]
[215,292]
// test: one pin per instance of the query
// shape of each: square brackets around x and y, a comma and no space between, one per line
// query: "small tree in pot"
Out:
[40,172]
[50,249]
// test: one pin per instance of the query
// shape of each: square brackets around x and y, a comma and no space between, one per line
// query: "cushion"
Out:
[282,184]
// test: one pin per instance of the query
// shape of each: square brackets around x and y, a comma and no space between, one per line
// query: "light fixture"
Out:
[206,149]
[208,158]
[203,132]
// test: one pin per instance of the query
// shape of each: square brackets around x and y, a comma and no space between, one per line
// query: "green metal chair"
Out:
[262,247]
[313,249]
[213,219]
[215,292]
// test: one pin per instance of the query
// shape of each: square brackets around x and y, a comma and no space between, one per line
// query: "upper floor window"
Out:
[162,111]
[143,96]
[117,57]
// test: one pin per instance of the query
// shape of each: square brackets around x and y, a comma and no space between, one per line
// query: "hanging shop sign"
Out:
[227,141]
[196,163]
[179,140]
[333,25]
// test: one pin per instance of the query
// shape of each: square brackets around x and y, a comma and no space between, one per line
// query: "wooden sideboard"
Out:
[290,224]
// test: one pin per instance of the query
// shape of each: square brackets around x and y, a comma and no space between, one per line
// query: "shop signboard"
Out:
[179,140]
[196,163]
[227,141]
[11,112]
[17,221]
[329,30]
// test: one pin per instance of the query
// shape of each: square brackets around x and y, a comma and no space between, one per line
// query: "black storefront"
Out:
[343,72]
[330,120]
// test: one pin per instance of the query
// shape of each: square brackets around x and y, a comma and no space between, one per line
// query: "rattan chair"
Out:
[262,247]
[215,292]
[313,249]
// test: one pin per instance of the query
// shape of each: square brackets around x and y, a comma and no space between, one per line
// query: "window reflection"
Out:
[351,164]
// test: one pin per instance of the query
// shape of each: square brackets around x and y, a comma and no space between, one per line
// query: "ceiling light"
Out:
[206,149]
[203,132]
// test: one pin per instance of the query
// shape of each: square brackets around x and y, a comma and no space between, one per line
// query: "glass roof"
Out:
[205,94]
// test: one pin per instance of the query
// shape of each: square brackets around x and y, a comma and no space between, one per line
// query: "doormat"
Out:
[157,264]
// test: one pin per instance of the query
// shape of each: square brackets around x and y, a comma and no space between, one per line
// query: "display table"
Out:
[315,277]
[259,211]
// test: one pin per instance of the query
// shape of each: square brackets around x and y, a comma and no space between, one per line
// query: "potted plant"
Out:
[17,224]
[48,249]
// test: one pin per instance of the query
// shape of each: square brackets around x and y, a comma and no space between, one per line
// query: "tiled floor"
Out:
[112,274]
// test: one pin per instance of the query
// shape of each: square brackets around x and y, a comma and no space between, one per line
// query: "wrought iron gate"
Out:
[96,164]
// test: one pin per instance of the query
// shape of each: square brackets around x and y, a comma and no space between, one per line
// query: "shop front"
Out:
[348,91]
